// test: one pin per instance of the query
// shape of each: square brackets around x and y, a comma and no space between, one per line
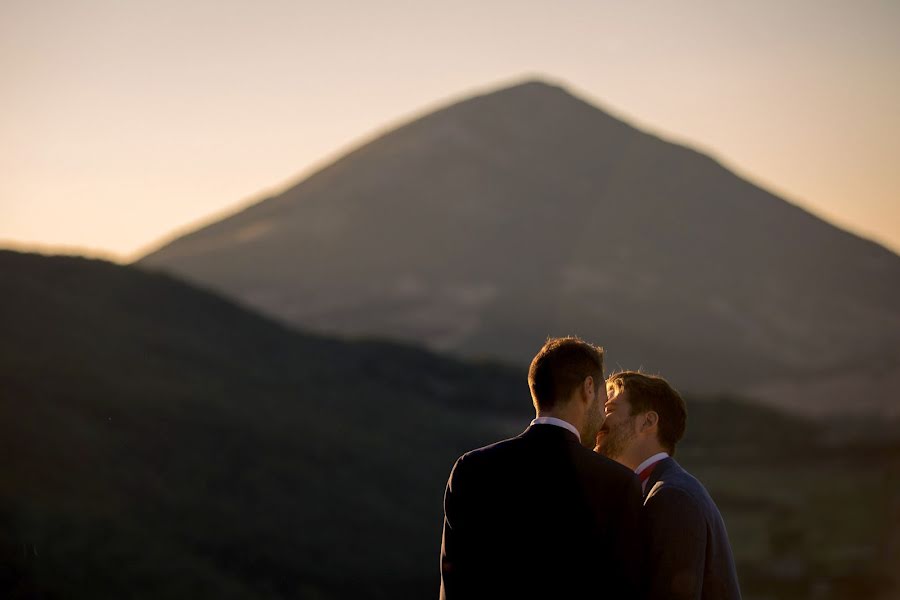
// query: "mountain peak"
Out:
[533,85]
[531,91]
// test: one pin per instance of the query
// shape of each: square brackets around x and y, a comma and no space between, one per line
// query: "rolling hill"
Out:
[163,442]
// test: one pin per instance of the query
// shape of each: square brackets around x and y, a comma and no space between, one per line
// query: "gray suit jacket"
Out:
[689,554]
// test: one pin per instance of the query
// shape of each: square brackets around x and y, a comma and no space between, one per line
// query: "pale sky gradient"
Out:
[122,121]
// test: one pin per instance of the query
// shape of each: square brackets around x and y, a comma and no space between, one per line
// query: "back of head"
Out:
[651,393]
[561,366]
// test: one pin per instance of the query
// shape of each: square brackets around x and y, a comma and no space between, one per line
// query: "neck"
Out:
[566,415]
[636,456]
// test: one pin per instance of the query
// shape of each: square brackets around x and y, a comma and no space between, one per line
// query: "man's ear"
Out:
[649,420]
[588,391]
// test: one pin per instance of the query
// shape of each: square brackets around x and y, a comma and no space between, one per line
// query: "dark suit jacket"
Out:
[689,556]
[540,516]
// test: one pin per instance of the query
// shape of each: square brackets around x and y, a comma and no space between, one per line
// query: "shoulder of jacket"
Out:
[669,494]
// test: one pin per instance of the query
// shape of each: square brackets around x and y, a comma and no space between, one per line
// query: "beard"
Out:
[592,424]
[616,438]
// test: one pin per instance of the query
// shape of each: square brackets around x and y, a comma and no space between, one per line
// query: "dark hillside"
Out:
[161,442]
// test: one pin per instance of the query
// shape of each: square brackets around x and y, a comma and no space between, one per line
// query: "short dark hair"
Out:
[650,392]
[561,366]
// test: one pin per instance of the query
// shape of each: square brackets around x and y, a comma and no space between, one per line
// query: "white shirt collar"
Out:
[651,461]
[558,423]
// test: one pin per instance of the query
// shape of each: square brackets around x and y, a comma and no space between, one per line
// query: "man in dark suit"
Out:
[541,515]
[688,553]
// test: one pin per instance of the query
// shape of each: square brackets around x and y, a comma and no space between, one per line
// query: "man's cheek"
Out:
[598,442]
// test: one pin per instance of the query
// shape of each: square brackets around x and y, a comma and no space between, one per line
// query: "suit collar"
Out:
[551,431]
[559,423]
[651,462]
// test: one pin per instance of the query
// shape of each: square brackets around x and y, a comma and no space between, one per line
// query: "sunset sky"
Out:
[124,122]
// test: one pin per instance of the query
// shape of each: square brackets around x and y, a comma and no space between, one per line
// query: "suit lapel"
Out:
[655,479]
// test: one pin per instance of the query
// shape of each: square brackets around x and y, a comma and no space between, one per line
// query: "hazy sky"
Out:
[124,121]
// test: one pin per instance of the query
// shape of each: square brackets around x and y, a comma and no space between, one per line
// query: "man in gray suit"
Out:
[689,555]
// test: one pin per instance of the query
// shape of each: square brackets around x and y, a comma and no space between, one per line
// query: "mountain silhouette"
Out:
[485,226]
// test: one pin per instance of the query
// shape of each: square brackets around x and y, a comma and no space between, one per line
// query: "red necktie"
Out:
[645,475]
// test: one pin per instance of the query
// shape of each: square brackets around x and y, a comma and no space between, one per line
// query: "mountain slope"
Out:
[485,226]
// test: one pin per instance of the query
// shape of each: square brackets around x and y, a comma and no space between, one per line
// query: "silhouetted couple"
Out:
[587,502]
